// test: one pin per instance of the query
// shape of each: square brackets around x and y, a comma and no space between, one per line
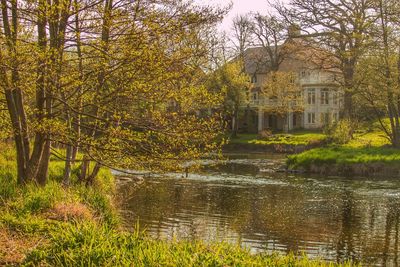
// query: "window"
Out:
[335,97]
[311,96]
[304,74]
[325,118]
[254,96]
[324,96]
[311,117]
[254,78]
[335,116]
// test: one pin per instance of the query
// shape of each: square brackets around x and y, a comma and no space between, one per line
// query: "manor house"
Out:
[320,99]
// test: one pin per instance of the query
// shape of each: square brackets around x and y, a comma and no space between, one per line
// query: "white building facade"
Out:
[321,99]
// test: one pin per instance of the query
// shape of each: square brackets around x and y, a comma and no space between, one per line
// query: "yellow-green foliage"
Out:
[339,132]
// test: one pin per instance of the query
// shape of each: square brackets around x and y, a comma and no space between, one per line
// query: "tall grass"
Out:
[93,245]
[20,204]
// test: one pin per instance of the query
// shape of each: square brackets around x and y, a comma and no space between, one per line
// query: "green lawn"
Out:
[368,147]
[303,137]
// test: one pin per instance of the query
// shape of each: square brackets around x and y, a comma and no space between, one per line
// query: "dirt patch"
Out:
[69,212]
[14,246]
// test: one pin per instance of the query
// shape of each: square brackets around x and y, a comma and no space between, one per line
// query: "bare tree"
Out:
[342,27]
[270,33]
[242,35]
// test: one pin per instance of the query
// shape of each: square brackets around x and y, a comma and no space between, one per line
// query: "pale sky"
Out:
[239,7]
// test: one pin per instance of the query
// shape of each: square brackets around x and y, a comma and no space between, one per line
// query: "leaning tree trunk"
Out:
[91,178]
[12,91]
[39,142]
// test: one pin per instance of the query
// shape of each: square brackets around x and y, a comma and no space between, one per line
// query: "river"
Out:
[245,201]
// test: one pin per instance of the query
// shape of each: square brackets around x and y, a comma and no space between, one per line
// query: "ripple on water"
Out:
[331,217]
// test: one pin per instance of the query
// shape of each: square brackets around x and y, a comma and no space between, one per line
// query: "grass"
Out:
[365,148]
[78,226]
[299,137]
[30,214]
[92,245]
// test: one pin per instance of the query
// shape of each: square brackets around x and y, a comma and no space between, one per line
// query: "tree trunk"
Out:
[84,169]
[90,179]
[77,116]
[43,170]
[234,124]
[39,143]
[68,165]
[13,94]
[348,93]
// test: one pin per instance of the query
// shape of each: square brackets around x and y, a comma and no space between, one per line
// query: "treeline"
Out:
[119,82]
[359,38]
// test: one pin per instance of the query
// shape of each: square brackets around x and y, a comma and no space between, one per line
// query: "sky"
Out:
[239,7]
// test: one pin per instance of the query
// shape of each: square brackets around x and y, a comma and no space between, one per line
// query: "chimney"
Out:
[294,31]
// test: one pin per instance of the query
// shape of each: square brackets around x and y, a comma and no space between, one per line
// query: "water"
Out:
[246,202]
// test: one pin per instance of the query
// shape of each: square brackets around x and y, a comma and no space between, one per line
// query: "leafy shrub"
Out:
[340,132]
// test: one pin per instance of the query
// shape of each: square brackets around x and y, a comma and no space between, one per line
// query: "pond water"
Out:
[244,201]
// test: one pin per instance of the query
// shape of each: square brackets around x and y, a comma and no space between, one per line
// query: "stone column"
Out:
[260,119]
[290,122]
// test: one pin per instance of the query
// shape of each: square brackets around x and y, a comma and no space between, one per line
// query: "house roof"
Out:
[296,54]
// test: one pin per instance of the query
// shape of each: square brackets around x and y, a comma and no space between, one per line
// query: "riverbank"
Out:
[59,226]
[369,153]
[284,143]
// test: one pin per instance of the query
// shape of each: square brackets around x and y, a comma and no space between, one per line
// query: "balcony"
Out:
[270,103]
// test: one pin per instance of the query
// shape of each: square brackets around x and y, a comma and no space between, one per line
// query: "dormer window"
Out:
[305,74]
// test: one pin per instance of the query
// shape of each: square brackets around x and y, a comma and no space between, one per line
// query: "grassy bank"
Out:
[289,143]
[300,137]
[78,226]
[29,215]
[368,152]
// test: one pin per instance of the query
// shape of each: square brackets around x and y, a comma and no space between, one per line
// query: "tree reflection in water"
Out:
[335,218]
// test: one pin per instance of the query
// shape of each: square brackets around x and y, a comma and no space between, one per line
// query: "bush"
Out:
[340,132]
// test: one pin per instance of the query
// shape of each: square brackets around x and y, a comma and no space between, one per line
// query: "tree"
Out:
[231,81]
[283,93]
[379,71]
[242,34]
[100,77]
[341,27]
[270,33]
